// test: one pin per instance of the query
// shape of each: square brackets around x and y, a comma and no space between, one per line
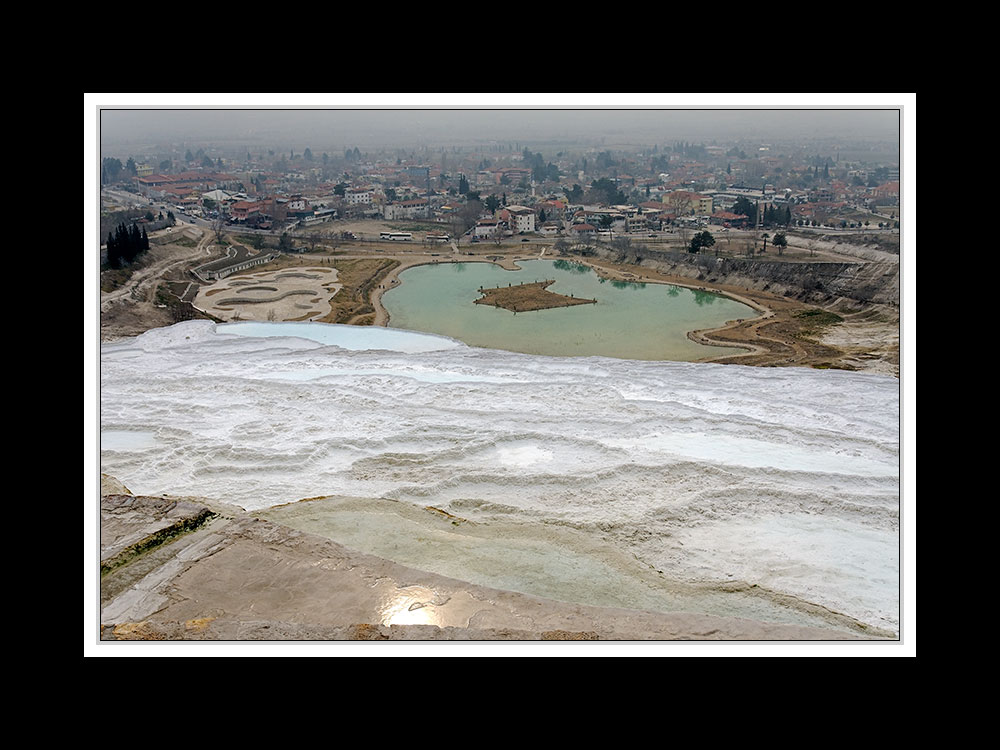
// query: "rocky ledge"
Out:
[186,569]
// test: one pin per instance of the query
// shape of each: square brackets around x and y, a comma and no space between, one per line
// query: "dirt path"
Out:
[151,275]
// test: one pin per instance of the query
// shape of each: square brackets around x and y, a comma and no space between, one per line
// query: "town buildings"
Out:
[505,192]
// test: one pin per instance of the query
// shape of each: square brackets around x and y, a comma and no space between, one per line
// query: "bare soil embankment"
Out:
[836,315]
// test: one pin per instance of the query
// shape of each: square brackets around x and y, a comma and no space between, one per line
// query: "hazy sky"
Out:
[414,123]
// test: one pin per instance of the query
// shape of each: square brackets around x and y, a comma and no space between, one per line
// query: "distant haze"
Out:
[335,129]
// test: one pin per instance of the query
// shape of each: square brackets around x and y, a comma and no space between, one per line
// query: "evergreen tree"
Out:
[114,259]
[110,170]
[126,244]
[746,208]
[701,240]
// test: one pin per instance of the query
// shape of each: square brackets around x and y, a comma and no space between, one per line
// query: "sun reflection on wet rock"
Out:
[413,605]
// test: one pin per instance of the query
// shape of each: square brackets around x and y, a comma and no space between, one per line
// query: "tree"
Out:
[125,245]
[606,222]
[463,185]
[744,207]
[110,170]
[467,216]
[605,191]
[219,226]
[703,239]
[308,154]
[285,243]
[780,241]
[681,203]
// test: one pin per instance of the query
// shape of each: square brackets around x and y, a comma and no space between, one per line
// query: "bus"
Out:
[438,238]
[396,236]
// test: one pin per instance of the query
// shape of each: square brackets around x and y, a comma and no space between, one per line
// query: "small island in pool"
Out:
[528,296]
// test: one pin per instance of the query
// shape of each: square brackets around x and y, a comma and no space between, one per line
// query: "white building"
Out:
[418,208]
[355,196]
[522,219]
[486,229]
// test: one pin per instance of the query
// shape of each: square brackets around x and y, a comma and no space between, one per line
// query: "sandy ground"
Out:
[290,294]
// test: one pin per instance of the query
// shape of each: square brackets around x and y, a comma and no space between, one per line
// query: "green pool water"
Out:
[629,321]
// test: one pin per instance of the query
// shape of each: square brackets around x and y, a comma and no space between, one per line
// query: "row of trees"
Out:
[771,216]
[704,240]
[776,216]
[126,244]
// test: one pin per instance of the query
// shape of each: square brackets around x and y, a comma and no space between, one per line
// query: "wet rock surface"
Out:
[224,575]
